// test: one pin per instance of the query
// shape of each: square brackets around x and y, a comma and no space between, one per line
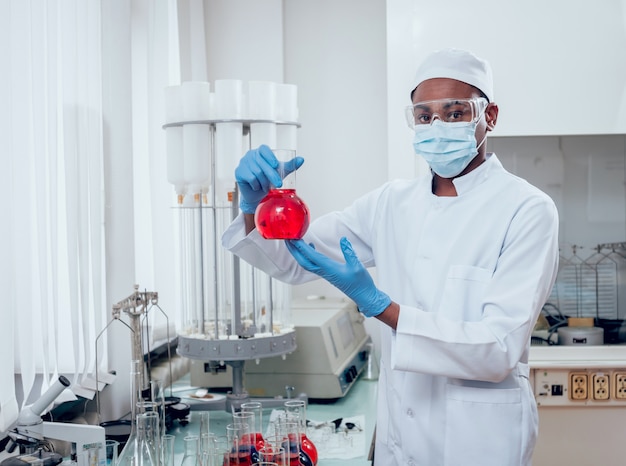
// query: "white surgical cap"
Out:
[456,64]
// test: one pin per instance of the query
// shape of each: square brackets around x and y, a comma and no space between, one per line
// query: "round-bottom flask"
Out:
[282,215]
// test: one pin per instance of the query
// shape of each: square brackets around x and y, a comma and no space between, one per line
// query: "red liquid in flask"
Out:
[282,215]
[308,447]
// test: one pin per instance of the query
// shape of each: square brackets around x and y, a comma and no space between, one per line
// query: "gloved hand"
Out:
[257,172]
[352,278]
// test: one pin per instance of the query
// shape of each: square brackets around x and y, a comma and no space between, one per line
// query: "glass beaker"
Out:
[288,431]
[248,439]
[167,449]
[256,431]
[217,453]
[276,455]
[282,214]
[112,450]
[190,457]
[238,434]
[296,411]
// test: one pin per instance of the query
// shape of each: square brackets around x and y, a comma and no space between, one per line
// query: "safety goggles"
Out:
[446,110]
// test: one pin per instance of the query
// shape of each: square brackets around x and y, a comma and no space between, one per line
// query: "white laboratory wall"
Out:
[245,40]
[335,53]
[585,177]
[552,61]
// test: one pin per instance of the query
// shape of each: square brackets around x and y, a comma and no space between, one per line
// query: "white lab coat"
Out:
[471,274]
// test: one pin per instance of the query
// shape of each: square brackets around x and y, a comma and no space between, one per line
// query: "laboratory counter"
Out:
[346,447]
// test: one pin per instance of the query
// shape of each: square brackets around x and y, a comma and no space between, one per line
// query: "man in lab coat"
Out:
[466,257]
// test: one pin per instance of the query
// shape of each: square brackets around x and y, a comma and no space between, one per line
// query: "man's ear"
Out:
[491,116]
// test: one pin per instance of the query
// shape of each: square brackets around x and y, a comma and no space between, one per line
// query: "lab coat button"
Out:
[411,463]
[409,412]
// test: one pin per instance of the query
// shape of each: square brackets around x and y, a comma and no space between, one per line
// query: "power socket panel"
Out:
[619,385]
[582,387]
[600,386]
[578,386]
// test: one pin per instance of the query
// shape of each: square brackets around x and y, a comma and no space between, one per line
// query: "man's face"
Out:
[443,88]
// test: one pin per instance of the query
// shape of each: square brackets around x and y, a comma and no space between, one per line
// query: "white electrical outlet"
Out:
[619,390]
[578,386]
[600,386]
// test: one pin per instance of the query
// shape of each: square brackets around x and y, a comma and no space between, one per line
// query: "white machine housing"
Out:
[332,350]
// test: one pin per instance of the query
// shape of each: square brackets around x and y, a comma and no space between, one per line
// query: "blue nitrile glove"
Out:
[351,278]
[257,172]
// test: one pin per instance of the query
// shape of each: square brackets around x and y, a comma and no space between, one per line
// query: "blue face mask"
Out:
[448,148]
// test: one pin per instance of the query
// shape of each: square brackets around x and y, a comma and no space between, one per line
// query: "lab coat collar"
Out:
[467,182]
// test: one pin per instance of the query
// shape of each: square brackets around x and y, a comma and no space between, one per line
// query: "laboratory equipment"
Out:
[38,458]
[256,409]
[371,367]
[112,452]
[139,307]
[332,352]
[276,455]
[589,286]
[140,449]
[191,455]
[238,435]
[580,335]
[168,442]
[296,410]
[282,214]
[231,312]
[31,432]
[250,437]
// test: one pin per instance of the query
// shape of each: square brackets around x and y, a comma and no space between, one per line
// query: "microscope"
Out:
[30,433]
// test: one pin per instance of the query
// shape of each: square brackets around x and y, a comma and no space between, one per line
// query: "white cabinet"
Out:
[559,66]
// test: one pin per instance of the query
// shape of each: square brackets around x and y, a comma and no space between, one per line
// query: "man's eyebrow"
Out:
[424,105]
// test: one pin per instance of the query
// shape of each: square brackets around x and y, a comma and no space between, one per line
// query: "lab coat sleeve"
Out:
[273,258]
[489,348]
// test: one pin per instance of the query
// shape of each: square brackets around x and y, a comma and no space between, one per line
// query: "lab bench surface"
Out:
[359,401]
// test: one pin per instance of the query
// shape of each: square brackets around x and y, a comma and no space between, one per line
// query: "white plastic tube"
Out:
[287,102]
[196,96]
[262,100]
[228,99]
[175,157]
[173,104]
[263,133]
[197,156]
[228,151]
[174,140]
